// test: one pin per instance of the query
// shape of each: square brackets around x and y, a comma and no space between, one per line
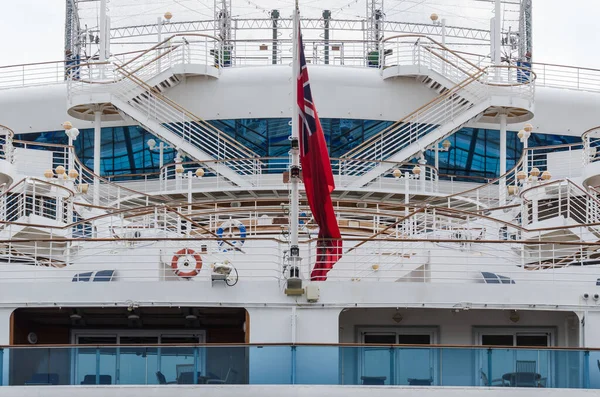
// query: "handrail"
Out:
[342,344]
[434,101]
[435,42]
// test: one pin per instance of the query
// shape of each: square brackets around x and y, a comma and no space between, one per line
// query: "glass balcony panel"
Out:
[415,367]
[457,367]
[317,365]
[270,365]
[176,364]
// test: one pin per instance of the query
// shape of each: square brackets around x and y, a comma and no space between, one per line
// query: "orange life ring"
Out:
[186,269]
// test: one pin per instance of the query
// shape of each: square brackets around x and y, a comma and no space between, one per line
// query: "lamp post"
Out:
[161,149]
[159,23]
[72,133]
[444,148]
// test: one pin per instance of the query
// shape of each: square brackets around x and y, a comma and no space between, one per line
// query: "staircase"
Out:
[137,92]
[465,90]
[414,133]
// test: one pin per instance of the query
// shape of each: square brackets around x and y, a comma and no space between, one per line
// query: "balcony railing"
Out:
[397,365]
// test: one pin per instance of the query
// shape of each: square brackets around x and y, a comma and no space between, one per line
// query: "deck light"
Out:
[535,172]
[168,16]
[73,174]
[524,135]
[546,175]
[434,17]
[446,144]
[521,175]
[151,144]
[416,170]
[397,317]
[60,170]
[200,172]
[528,127]
[397,173]
[49,174]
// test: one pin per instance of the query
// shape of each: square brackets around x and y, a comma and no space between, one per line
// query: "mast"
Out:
[295,155]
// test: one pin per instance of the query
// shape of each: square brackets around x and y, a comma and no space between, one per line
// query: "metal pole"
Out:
[161,149]
[503,191]
[97,144]
[103,33]
[295,153]
[497,37]
[159,39]
[274,17]
[326,19]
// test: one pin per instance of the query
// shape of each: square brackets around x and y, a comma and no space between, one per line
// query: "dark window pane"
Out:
[414,339]
[497,340]
[380,338]
[532,340]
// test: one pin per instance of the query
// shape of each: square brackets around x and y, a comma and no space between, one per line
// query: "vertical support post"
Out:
[502,184]
[161,150]
[586,369]
[103,32]
[326,19]
[497,36]
[275,17]
[97,365]
[1,366]
[159,39]
[489,366]
[293,338]
[196,364]
[295,154]
[97,144]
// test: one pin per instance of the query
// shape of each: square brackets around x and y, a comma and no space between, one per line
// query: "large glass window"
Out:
[474,152]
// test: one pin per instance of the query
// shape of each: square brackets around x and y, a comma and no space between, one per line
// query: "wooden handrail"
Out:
[341,345]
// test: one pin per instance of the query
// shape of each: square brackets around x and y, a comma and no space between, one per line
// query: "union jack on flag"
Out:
[317,173]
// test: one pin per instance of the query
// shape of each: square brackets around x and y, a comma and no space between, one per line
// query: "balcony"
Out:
[392,365]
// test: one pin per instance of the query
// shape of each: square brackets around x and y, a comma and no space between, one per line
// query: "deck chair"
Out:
[230,378]
[485,380]
[526,366]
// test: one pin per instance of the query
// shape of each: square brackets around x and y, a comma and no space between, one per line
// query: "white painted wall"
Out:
[457,328]
[265,92]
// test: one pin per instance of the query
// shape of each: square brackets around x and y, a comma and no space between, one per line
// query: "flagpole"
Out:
[295,154]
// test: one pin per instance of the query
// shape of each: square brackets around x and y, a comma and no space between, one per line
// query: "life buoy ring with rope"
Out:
[186,263]
[227,230]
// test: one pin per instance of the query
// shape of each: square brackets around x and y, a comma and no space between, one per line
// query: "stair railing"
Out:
[132,87]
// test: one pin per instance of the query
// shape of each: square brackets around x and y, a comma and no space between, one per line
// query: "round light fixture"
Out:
[200,172]
[60,170]
[416,170]
[535,172]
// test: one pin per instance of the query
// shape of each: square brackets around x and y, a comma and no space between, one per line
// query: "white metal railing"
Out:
[6,144]
[591,143]
[32,74]
[412,128]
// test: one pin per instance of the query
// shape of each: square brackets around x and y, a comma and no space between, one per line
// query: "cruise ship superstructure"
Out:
[145,240]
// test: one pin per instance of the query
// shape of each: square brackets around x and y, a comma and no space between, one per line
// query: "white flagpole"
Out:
[295,153]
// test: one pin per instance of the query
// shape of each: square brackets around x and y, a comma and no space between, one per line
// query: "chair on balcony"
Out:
[43,379]
[420,382]
[160,377]
[495,382]
[230,378]
[526,366]
[102,380]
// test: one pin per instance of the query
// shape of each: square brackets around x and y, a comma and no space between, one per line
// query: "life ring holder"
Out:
[225,230]
[186,270]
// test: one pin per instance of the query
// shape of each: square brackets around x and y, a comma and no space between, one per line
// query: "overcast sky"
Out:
[565,32]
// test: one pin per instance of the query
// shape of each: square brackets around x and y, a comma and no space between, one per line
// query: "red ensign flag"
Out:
[317,174]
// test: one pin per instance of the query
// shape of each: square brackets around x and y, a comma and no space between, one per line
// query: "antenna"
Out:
[223,16]
[525,29]
[374,24]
